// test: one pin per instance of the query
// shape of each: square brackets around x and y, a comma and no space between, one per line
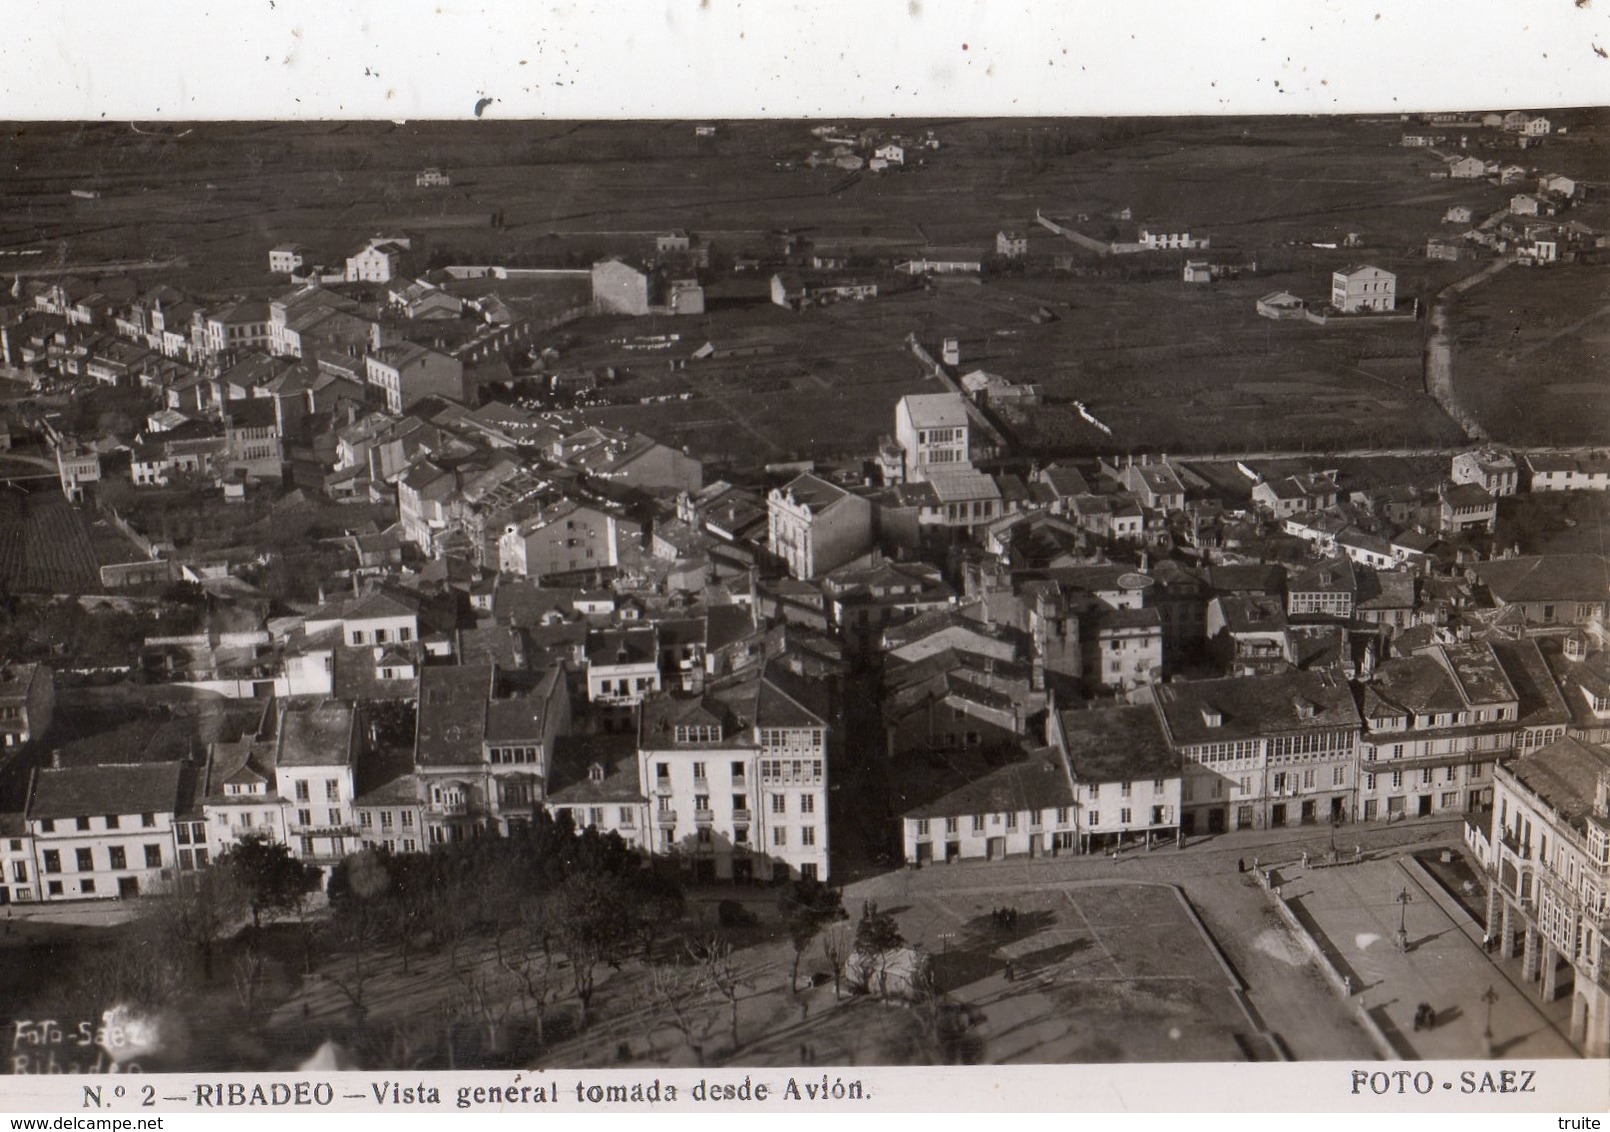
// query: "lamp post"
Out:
[1403,898]
[1490,997]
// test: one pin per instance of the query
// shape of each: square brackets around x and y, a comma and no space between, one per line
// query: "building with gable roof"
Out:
[815,526]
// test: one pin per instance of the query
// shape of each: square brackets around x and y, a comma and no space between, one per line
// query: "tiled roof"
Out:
[320,734]
[1036,783]
[1117,744]
[146,788]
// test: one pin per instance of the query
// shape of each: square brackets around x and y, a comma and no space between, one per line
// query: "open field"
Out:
[1530,355]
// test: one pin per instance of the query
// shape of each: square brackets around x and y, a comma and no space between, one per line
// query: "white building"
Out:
[379,261]
[1489,468]
[1362,287]
[1551,889]
[377,618]
[1126,780]
[815,526]
[104,832]
[314,760]
[933,431]
[737,781]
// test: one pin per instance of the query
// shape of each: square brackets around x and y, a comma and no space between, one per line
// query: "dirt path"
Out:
[1439,350]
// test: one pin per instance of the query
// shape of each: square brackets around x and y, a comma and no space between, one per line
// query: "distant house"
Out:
[1198,271]
[27,702]
[1549,589]
[1536,127]
[1011,244]
[1362,287]
[380,261]
[407,372]
[1465,507]
[1557,185]
[1549,471]
[1450,250]
[891,153]
[674,242]
[1459,214]
[108,831]
[1280,305]
[1025,808]
[620,287]
[944,261]
[1525,204]
[1489,467]
[432,178]
[287,259]
[1162,239]
[1467,169]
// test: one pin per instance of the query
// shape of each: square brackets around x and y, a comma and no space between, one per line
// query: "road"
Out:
[1439,349]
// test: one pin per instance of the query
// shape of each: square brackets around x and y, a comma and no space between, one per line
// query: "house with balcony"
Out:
[1125,778]
[392,815]
[482,752]
[815,526]
[239,795]
[1327,589]
[315,756]
[932,430]
[1465,507]
[1549,899]
[736,779]
[623,665]
[106,832]
[1262,751]
[1435,723]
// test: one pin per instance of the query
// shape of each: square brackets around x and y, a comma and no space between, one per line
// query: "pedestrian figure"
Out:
[1305,858]
[1358,854]
[1347,985]
[804,1009]
[1240,864]
[1011,973]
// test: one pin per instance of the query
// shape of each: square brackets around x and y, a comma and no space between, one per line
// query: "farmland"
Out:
[1529,355]
[1165,366]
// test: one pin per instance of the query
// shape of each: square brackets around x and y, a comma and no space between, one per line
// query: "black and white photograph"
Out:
[808,591]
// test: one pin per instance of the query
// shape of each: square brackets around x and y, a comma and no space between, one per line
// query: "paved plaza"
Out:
[1287,999]
[1356,910]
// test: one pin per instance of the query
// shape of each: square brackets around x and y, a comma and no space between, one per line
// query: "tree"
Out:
[720,972]
[592,926]
[837,944]
[204,909]
[273,881]
[806,906]
[875,936]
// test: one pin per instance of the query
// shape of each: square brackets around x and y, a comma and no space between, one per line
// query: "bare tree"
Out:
[525,951]
[679,997]
[838,943]
[720,972]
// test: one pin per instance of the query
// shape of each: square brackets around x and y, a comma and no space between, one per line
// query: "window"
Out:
[1095,818]
[698,772]
[46,825]
[950,825]
[1123,817]
[922,827]
[86,886]
[1095,791]
[1425,777]
[55,888]
[304,817]
[153,856]
[86,861]
[116,858]
[1062,815]
[386,819]
[1123,790]
[807,836]
[779,837]
[1397,778]
[625,817]
[301,792]
[779,803]
[332,790]
[111,821]
[662,773]
[1369,782]
[807,803]
[738,774]
[1338,776]
[19,871]
[978,823]
[366,820]
[83,823]
[408,819]
[307,846]
[740,804]
[701,802]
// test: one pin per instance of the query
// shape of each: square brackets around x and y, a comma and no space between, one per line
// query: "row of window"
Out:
[388,818]
[504,756]
[84,858]
[332,790]
[110,821]
[740,837]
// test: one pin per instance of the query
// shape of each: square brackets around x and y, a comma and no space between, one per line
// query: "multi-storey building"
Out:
[932,430]
[1437,722]
[567,538]
[104,832]
[315,754]
[482,758]
[1262,751]
[1362,287]
[1126,779]
[19,884]
[737,779]
[1550,890]
[1549,589]
[815,526]
[1488,468]
[1025,808]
